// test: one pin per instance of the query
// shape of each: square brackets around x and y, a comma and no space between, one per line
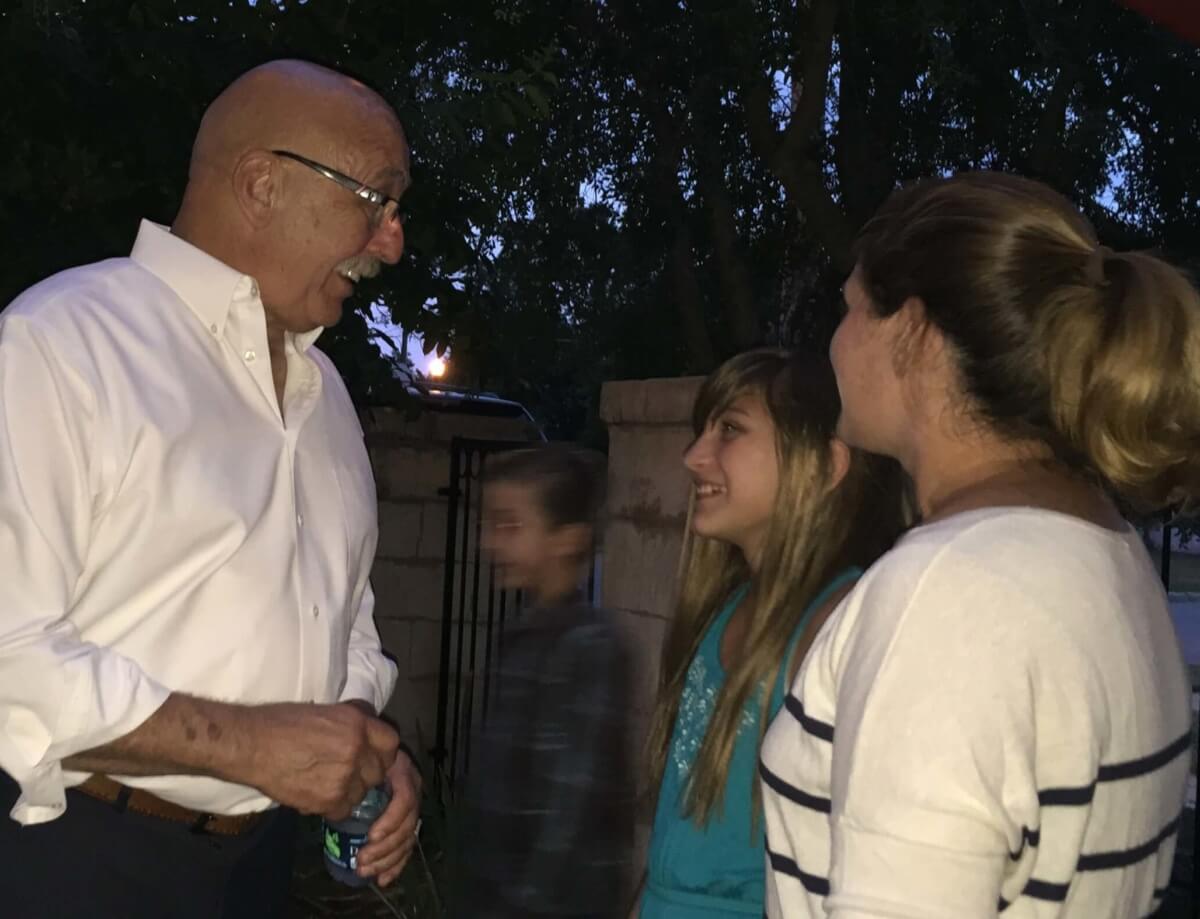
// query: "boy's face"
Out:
[518,537]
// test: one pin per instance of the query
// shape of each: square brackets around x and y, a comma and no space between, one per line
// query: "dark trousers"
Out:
[95,862]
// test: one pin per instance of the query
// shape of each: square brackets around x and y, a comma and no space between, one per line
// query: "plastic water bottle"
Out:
[344,838]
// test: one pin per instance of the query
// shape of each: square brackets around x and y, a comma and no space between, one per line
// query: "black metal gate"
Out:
[469,588]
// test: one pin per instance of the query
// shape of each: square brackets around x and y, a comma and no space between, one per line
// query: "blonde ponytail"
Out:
[1123,360]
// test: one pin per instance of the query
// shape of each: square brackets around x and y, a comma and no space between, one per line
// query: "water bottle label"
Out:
[342,848]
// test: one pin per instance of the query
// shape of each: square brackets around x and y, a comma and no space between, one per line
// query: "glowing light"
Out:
[437,368]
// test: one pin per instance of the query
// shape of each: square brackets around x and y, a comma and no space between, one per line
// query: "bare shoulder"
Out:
[818,619]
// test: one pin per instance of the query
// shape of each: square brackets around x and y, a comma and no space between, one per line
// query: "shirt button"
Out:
[299,520]
[253,289]
[249,356]
[316,611]
[213,328]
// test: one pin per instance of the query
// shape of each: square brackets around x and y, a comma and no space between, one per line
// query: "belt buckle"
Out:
[201,824]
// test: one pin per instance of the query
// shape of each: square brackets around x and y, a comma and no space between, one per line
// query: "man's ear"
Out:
[256,180]
[574,540]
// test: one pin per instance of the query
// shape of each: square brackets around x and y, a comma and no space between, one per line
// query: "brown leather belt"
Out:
[143,802]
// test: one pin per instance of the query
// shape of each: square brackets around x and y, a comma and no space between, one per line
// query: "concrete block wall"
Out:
[410,456]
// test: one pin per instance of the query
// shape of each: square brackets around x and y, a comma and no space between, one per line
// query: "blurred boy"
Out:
[548,811]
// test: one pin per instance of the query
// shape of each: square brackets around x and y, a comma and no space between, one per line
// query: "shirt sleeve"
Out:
[59,695]
[934,781]
[370,674]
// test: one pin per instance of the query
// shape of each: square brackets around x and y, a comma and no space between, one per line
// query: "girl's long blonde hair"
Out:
[814,533]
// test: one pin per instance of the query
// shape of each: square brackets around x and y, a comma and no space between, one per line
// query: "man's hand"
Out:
[394,833]
[319,759]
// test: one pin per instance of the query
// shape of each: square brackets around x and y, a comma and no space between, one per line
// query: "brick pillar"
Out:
[649,427]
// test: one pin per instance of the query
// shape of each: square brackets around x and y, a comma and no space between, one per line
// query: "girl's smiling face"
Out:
[734,465]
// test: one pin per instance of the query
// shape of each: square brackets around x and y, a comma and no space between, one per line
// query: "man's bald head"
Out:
[292,105]
[264,195]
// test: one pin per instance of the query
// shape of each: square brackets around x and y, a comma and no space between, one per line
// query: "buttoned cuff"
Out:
[43,788]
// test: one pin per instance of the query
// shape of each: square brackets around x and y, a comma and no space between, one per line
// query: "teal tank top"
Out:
[717,869]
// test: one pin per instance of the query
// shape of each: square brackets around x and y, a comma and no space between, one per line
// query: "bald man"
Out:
[187,525]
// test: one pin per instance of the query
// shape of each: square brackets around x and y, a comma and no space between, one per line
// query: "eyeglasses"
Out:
[389,207]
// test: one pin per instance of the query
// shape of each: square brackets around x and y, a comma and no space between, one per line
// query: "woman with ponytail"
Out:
[996,720]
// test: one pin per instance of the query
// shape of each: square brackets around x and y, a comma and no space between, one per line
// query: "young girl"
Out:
[997,718]
[548,812]
[783,518]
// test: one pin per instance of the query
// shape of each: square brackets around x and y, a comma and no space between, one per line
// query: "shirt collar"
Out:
[207,285]
[304,340]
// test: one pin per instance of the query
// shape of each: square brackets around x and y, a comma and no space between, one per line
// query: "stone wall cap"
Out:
[666,400]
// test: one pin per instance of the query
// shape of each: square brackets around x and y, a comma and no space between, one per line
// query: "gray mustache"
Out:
[363,265]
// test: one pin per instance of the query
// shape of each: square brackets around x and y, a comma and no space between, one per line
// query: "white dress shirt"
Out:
[163,526]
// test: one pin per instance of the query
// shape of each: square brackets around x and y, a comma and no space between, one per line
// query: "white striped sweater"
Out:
[995,722]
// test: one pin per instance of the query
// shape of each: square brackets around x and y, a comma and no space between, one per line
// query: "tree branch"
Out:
[690,300]
[666,199]
[734,276]
[815,52]
[1048,141]
[793,156]
[736,288]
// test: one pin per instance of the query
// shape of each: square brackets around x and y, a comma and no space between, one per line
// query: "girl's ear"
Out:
[839,462]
